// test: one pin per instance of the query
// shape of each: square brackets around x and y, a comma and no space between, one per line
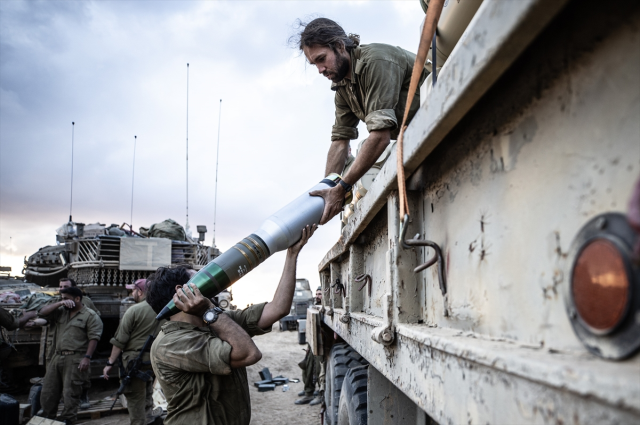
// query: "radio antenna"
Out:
[187,226]
[73,126]
[133,174]
[215,201]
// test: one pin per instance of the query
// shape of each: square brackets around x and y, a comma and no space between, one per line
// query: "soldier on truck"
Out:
[371,83]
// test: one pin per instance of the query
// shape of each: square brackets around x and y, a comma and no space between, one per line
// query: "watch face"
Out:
[208,316]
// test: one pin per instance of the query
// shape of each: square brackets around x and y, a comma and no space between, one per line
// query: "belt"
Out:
[65,353]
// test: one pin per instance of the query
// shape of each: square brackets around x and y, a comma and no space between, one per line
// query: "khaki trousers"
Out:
[139,395]
[63,377]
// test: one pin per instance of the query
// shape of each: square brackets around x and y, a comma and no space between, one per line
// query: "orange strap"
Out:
[428,30]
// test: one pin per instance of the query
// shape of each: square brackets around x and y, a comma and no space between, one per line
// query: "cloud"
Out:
[118,69]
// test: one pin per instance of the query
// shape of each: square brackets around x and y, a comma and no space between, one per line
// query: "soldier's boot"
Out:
[154,415]
[301,394]
[318,400]
[84,400]
[304,400]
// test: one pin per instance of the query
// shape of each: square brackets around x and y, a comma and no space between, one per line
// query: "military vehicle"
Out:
[510,294]
[102,260]
[302,299]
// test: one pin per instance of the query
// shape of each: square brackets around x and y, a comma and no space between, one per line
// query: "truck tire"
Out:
[341,359]
[352,409]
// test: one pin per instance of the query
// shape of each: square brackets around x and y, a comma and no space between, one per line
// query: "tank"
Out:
[102,260]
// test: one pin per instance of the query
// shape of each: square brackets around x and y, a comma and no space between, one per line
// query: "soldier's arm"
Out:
[337,156]
[8,321]
[344,130]
[120,339]
[50,309]
[243,350]
[281,303]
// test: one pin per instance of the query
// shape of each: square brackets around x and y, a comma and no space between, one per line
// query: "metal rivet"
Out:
[601,223]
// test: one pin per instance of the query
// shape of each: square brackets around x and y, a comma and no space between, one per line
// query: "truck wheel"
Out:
[352,409]
[341,359]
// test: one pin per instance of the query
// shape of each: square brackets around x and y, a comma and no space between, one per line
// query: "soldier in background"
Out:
[313,371]
[138,322]
[9,322]
[67,282]
[77,330]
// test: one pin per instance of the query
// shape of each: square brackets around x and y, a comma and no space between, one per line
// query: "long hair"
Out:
[324,32]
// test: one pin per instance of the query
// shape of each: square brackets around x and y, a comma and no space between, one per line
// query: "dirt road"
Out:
[281,354]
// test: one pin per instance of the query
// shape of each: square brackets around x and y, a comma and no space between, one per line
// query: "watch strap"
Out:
[346,186]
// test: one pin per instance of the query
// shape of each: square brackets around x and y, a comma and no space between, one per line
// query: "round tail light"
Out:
[600,286]
[603,294]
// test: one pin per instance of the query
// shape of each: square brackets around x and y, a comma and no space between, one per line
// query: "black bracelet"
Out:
[110,364]
[346,186]
[87,356]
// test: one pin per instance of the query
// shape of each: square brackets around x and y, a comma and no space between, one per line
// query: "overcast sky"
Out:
[118,69]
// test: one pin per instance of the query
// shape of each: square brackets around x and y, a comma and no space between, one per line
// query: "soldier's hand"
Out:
[333,202]
[84,364]
[191,301]
[307,232]
[68,303]
[105,372]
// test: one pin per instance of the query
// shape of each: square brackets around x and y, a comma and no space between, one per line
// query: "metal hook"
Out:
[367,280]
[437,257]
[340,288]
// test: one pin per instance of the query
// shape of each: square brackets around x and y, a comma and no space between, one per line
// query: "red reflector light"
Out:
[600,285]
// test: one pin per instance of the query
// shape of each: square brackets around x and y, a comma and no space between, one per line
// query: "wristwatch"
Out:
[348,191]
[346,186]
[109,363]
[210,316]
[87,356]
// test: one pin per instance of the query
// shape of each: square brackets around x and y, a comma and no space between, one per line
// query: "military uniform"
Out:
[72,336]
[136,325]
[8,322]
[311,368]
[51,343]
[377,92]
[192,366]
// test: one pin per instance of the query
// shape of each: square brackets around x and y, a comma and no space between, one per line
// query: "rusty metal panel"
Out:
[518,172]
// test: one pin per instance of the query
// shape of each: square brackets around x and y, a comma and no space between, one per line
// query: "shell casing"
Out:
[280,231]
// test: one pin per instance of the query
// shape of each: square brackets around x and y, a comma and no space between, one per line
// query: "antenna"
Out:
[215,201]
[187,226]
[133,174]
[73,126]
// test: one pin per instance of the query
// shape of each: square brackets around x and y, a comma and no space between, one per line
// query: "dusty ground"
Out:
[281,354]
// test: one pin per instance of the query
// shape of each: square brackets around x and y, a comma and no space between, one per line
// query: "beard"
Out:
[342,68]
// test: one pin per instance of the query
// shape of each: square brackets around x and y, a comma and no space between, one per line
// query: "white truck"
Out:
[511,295]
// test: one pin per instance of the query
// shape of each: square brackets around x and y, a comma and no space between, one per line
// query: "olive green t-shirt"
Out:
[192,366]
[377,92]
[138,322]
[74,334]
